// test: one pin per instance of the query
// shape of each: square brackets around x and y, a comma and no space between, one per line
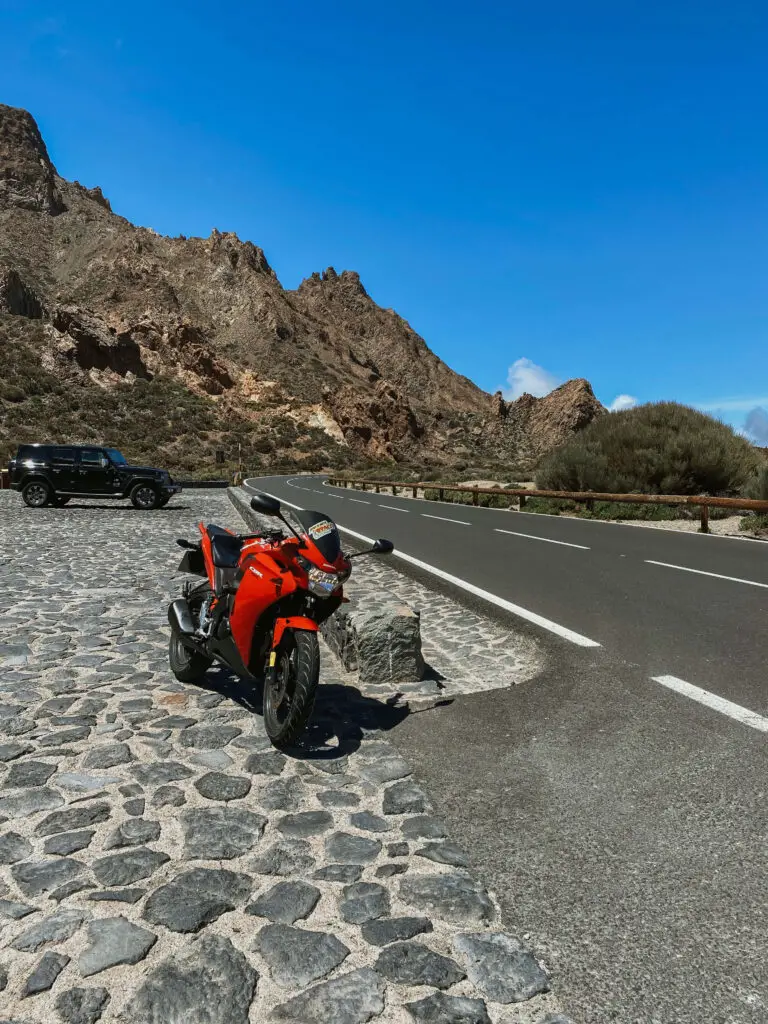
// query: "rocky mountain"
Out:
[176,348]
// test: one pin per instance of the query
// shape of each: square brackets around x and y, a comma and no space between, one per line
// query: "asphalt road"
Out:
[622,823]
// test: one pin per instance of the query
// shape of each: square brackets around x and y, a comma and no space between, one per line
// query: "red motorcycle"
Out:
[259,608]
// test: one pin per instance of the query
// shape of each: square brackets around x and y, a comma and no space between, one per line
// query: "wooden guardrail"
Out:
[703,501]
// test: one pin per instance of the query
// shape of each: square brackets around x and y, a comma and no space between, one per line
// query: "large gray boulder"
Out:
[377,636]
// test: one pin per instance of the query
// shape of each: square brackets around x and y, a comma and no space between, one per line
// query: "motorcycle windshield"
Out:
[322,532]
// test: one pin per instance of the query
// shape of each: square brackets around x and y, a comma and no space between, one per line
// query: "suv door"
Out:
[62,469]
[93,476]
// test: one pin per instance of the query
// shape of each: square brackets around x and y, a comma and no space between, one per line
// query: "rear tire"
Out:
[145,496]
[37,494]
[189,666]
[290,699]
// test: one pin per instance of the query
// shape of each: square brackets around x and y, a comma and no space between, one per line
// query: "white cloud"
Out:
[756,426]
[622,402]
[525,376]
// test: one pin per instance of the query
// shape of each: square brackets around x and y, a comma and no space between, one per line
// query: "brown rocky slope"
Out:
[175,348]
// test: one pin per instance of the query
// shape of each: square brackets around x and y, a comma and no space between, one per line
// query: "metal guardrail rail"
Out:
[703,501]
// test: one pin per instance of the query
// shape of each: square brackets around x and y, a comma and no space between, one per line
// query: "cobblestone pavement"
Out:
[163,864]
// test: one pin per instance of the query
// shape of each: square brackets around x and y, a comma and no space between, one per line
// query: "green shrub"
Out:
[659,448]
[757,523]
[757,486]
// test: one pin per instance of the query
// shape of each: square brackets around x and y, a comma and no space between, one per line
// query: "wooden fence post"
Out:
[705,518]
[414,492]
[378,489]
[440,494]
[522,502]
[474,497]
[394,490]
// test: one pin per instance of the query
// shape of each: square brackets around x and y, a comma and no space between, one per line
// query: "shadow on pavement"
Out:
[343,716]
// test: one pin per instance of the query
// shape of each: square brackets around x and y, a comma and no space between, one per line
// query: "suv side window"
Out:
[90,458]
[63,455]
[38,453]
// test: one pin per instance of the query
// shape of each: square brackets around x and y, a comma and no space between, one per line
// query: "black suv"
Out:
[51,474]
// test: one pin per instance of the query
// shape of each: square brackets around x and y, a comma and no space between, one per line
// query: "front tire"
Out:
[290,698]
[145,496]
[37,494]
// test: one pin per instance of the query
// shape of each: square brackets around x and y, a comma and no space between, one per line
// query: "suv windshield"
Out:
[117,457]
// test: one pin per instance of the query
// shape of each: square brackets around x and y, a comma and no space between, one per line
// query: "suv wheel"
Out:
[145,496]
[37,493]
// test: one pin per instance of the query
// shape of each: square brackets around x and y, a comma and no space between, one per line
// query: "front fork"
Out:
[282,625]
[270,673]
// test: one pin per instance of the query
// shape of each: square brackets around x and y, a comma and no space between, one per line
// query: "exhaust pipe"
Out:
[180,617]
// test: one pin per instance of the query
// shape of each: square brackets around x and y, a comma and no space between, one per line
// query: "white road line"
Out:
[443,519]
[547,540]
[394,508]
[701,572]
[500,602]
[359,501]
[711,700]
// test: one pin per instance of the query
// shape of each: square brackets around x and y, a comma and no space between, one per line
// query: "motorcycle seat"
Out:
[225,547]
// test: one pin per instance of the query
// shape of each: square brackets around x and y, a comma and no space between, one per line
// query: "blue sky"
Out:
[544,190]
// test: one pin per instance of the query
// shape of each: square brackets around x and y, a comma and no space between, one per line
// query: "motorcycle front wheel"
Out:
[290,697]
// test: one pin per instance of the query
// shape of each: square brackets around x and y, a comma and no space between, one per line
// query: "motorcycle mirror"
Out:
[266,505]
[380,547]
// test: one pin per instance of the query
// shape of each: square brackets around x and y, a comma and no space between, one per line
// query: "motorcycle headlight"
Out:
[321,584]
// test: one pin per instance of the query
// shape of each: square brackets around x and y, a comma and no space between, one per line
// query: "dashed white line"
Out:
[547,540]
[500,602]
[711,700]
[701,572]
[443,519]
[394,508]
[359,501]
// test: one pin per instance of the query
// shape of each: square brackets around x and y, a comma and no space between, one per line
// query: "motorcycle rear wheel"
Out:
[290,698]
[189,666]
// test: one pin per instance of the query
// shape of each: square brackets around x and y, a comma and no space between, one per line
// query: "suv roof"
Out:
[47,444]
